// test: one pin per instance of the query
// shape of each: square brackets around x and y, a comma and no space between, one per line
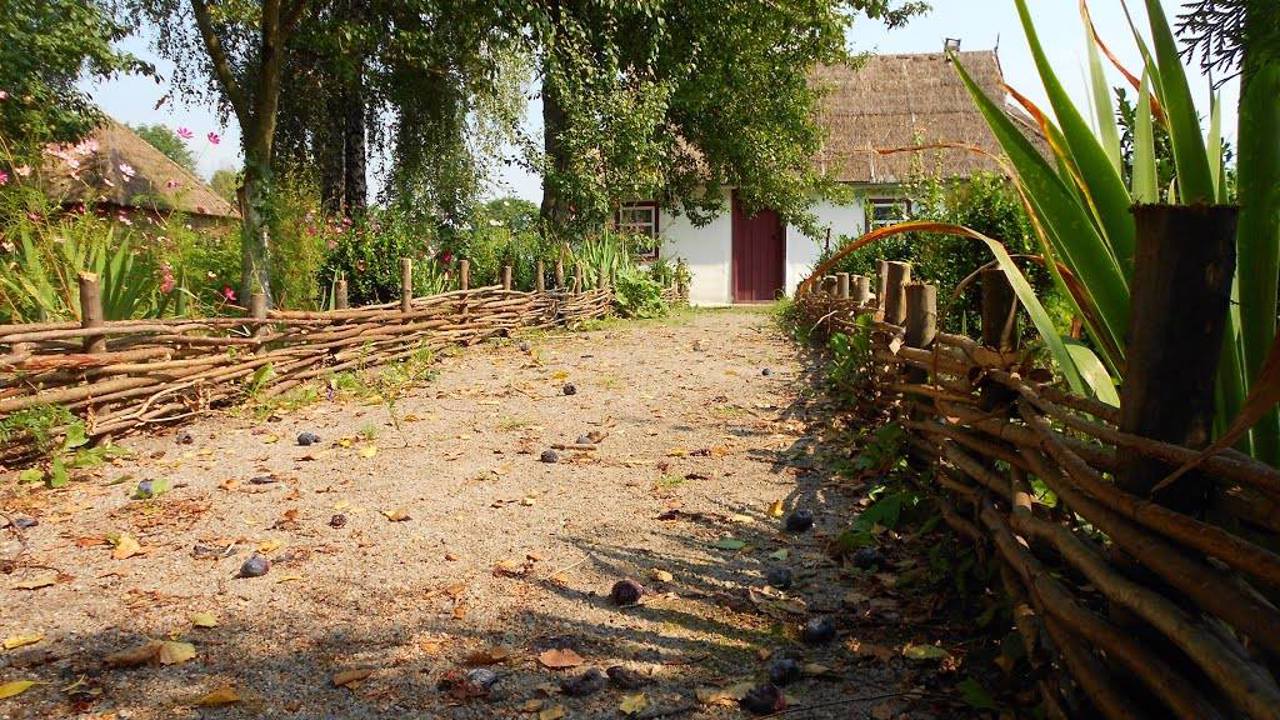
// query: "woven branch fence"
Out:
[1127,608]
[124,375]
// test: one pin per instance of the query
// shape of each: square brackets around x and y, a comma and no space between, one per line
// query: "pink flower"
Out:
[4,178]
[171,184]
[185,133]
[23,170]
[167,283]
[214,139]
[127,170]
[228,294]
[4,95]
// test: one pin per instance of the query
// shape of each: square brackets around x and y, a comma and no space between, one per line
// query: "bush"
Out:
[638,294]
[367,253]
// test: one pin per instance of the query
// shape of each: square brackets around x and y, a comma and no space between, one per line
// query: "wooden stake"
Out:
[406,284]
[464,274]
[506,277]
[559,274]
[539,278]
[602,277]
[999,311]
[897,276]
[91,315]
[922,315]
[882,277]
[842,285]
[340,295]
[1184,264]
[258,311]
[577,278]
[861,289]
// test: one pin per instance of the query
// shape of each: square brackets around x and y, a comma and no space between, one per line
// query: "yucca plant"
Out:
[1080,205]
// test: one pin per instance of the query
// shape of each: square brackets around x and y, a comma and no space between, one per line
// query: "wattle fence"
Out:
[119,376]
[1126,607]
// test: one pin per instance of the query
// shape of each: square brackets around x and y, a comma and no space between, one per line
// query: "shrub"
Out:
[367,253]
[638,295]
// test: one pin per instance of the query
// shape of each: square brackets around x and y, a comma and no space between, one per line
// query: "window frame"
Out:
[635,228]
[904,204]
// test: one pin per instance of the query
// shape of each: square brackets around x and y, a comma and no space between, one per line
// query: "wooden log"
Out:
[506,277]
[861,289]
[560,273]
[577,278]
[91,315]
[406,284]
[882,279]
[539,278]
[1184,265]
[842,285]
[464,275]
[921,315]
[999,311]
[258,310]
[340,299]
[897,276]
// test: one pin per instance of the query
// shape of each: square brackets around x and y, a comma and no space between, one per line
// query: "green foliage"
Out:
[59,437]
[224,182]
[163,138]
[298,248]
[48,46]
[850,359]
[367,253]
[638,295]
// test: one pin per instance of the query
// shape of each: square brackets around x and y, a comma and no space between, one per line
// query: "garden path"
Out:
[456,544]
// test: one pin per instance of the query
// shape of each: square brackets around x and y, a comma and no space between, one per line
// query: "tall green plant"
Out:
[1080,203]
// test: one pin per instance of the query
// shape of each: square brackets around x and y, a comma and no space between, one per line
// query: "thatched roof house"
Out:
[116,168]
[899,101]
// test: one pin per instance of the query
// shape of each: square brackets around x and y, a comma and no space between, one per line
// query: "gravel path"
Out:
[405,563]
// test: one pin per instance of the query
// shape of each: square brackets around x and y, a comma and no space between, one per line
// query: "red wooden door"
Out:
[758,255]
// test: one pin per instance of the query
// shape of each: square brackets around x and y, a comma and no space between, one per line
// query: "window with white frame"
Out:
[883,212]
[640,219]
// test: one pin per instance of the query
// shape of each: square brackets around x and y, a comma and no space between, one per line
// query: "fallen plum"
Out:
[626,592]
[588,683]
[550,456]
[570,389]
[784,670]
[779,577]
[867,558]
[818,631]
[255,566]
[799,521]
[763,700]
[308,438]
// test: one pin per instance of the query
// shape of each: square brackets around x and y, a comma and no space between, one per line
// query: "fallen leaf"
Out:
[632,704]
[368,451]
[17,641]
[173,652]
[204,620]
[531,705]
[17,687]
[489,656]
[924,652]
[225,695]
[724,696]
[559,659]
[397,515]
[776,509]
[346,677]
[125,546]
[779,555]
[37,582]
[730,544]
[135,656]
[267,546]
[661,575]
[288,578]
[553,713]
[817,670]
[271,439]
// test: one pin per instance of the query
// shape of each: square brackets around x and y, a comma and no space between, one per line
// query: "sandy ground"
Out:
[502,557]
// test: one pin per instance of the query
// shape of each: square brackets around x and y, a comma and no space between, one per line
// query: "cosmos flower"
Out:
[4,95]
[214,138]
[185,133]
[127,170]
[4,178]
[23,171]
[228,294]
[172,184]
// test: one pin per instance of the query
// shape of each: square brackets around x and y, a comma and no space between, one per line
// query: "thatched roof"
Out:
[114,165]
[896,101]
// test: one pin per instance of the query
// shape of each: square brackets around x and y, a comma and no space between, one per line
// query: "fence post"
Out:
[861,289]
[539,279]
[506,277]
[560,273]
[91,315]
[882,278]
[464,274]
[999,311]
[340,295]
[842,285]
[999,332]
[406,284]
[1184,264]
[602,277]
[258,311]
[922,315]
[577,278]
[829,285]
[894,301]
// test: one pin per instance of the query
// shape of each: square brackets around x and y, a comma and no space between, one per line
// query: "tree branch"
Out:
[221,64]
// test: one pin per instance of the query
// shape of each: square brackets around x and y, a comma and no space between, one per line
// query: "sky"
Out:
[979,24]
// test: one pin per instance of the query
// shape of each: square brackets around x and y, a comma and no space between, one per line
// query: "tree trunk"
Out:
[553,122]
[330,152]
[255,253]
[355,185]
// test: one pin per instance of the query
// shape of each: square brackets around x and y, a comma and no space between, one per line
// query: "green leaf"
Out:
[976,696]
[31,475]
[1093,372]
[924,652]
[58,476]
[729,544]
[1103,108]
[1146,185]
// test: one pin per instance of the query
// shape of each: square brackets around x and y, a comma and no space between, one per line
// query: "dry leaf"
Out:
[460,611]
[489,656]
[368,451]
[553,713]
[632,704]
[17,641]
[288,578]
[776,509]
[346,677]
[661,575]
[36,582]
[531,705]
[125,546]
[559,659]
[172,652]
[135,656]
[204,620]
[397,515]
[17,687]
[267,546]
[724,696]
[225,695]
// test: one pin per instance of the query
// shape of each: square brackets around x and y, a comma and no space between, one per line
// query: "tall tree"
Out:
[234,53]
[163,138]
[48,46]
